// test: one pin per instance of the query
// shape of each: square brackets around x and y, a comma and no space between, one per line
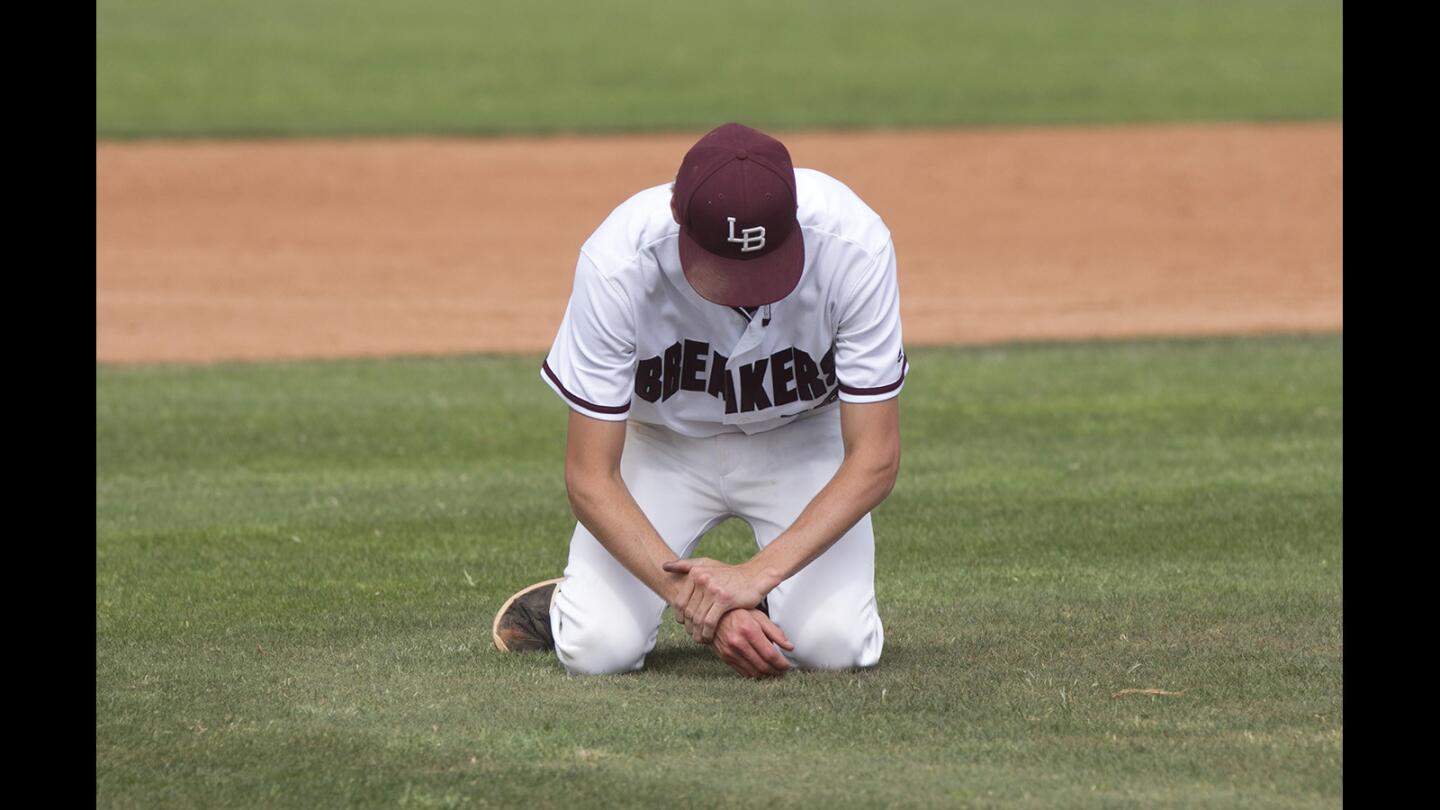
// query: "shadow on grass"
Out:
[701,662]
[688,661]
[692,661]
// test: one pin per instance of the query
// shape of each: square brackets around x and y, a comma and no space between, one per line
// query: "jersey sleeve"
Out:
[870,361]
[591,365]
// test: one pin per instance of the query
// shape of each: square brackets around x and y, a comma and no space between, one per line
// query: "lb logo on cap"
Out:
[750,238]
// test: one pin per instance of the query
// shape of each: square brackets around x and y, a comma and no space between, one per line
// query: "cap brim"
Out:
[744,282]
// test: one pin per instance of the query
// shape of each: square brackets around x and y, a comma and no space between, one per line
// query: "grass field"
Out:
[195,67]
[296,565]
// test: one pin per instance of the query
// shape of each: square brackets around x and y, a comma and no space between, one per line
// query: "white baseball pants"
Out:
[605,620]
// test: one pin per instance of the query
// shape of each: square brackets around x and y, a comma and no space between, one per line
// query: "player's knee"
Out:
[598,649]
[828,641]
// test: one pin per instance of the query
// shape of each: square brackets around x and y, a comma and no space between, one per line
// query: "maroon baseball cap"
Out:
[740,243]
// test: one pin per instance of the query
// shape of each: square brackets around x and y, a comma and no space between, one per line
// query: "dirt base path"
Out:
[242,250]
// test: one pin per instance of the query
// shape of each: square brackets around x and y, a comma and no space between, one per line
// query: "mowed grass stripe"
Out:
[296,565]
[366,67]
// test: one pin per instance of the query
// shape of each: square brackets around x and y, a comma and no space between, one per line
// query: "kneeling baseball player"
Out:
[731,349]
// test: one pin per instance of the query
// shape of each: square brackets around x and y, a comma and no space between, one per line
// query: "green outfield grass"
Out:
[296,565]
[200,67]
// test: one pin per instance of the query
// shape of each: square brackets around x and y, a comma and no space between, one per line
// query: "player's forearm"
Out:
[605,506]
[863,482]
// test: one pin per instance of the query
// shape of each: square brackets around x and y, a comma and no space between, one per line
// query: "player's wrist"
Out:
[763,575]
[670,588]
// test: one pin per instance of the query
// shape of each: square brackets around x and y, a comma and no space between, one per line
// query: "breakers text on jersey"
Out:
[690,365]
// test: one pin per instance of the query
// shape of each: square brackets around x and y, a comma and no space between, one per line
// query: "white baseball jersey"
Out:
[638,342]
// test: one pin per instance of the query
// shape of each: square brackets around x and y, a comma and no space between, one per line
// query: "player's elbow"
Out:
[579,488]
[889,472]
[883,468]
[586,488]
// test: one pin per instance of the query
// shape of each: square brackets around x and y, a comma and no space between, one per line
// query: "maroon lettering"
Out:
[781,375]
[672,370]
[694,365]
[807,377]
[647,379]
[752,386]
[722,385]
[792,373]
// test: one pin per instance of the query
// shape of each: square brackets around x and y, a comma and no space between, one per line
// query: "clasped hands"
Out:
[716,603]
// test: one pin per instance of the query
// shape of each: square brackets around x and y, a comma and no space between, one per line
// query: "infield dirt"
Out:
[216,250]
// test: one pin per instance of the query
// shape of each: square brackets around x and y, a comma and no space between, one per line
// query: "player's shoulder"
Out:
[831,209]
[636,225]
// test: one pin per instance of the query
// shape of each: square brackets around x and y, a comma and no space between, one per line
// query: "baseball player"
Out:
[731,349]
